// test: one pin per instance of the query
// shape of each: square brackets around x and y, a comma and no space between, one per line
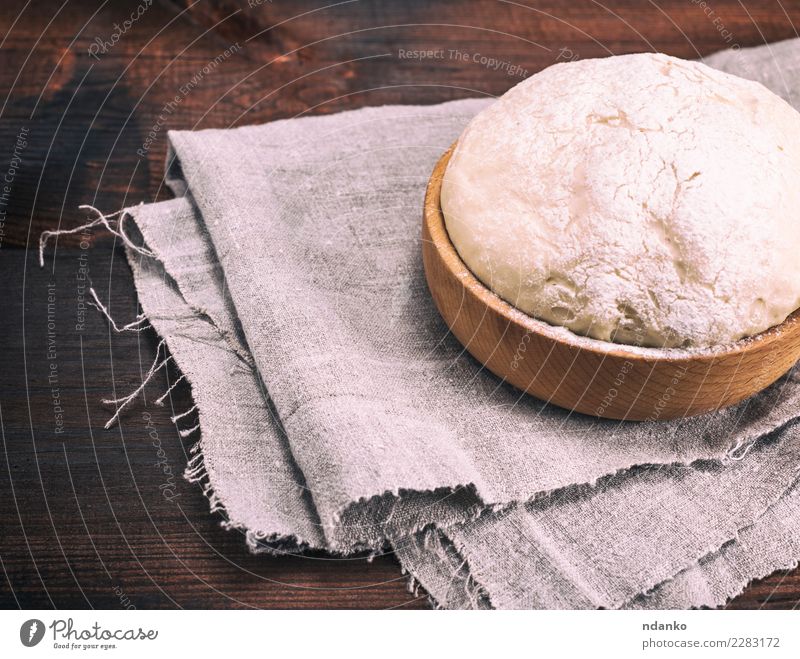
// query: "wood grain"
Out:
[592,377]
[81,512]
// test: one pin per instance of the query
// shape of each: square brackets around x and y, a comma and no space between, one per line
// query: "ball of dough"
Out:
[640,199]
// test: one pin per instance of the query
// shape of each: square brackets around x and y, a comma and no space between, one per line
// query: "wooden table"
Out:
[84,523]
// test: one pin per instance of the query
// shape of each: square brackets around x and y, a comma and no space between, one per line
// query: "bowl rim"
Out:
[440,238]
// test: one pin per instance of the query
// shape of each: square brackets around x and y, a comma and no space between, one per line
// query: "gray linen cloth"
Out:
[338,413]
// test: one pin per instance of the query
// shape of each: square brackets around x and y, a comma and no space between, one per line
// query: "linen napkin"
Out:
[337,412]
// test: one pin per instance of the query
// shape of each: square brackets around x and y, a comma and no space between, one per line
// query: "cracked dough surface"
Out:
[641,199]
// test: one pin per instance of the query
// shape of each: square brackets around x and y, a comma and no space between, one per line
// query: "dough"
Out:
[640,199]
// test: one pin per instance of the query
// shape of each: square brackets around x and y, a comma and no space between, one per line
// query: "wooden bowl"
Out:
[587,375]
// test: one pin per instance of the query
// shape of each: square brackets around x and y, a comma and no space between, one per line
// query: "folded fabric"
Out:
[337,412]
[594,549]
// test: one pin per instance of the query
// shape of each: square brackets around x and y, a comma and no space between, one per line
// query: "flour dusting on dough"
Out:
[640,199]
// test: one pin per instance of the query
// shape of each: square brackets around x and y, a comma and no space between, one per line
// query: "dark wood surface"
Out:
[83,520]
